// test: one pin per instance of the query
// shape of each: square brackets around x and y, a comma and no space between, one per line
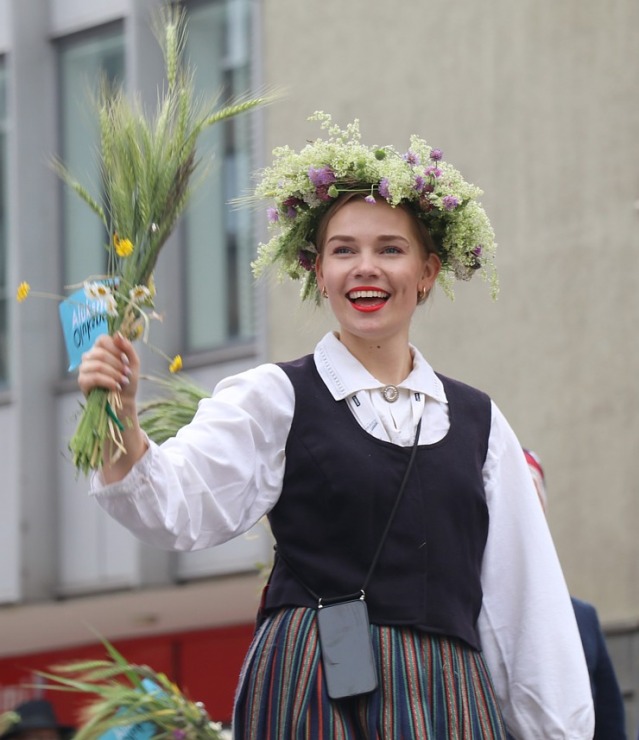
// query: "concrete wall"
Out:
[4,25]
[69,16]
[623,646]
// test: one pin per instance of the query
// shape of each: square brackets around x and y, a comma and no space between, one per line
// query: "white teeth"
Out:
[354,294]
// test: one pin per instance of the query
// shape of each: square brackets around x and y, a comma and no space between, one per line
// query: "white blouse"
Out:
[223,472]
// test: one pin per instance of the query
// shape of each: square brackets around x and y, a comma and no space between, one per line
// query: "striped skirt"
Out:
[430,688]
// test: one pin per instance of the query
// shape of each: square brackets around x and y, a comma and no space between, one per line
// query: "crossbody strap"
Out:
[361,593]
[400,493]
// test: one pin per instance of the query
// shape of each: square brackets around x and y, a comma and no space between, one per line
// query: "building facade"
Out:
[536,103]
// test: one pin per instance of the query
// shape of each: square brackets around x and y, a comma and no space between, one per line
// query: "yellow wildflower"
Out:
[123,247]
[176,364]
[22,292]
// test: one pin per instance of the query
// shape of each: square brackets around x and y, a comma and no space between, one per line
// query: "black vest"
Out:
[340,484]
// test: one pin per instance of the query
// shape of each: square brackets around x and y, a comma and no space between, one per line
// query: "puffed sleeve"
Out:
[527,625]
[218,476]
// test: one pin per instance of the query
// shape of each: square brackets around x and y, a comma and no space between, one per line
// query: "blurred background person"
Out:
[606,694]
[37,721]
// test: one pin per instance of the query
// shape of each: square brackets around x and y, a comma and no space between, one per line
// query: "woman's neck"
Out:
[388,360]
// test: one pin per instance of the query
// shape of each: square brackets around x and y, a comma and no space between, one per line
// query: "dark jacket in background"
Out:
[609,709]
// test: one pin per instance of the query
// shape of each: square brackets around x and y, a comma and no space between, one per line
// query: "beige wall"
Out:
[538,103]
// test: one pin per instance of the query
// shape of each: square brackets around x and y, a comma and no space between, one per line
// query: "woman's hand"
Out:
[113,364]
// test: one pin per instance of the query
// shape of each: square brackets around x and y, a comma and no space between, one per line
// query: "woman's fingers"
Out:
[128,354]
[111,363]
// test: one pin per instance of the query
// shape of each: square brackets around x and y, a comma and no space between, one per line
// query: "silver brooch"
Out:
[390,393]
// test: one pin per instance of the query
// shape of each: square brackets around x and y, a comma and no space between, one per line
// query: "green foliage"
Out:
[147,163]
[162,417]
[7,721]
[117,698]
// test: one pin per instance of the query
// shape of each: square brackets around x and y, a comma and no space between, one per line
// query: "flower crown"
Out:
[302,185]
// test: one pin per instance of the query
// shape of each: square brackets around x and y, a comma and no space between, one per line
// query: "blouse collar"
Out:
[344,375]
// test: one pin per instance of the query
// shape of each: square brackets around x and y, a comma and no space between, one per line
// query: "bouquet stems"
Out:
[98,427]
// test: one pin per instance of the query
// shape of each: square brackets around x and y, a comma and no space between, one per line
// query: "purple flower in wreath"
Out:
[450,202]
[323,192]
[291,204]
[273,215]
[321,175]
[179,734]
[306,260]
[433,171]
[370,199]
[419,183]
[383,188]
[411,158]
[436,155]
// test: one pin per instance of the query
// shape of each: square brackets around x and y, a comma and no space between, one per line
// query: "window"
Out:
[219,244]
[82,62]
[4,288]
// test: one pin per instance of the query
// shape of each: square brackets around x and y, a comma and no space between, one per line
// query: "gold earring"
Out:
[324,292]
[422,295]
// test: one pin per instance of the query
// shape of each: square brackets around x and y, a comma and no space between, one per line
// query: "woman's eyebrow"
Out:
[386,237]
[379,237]
[341,238]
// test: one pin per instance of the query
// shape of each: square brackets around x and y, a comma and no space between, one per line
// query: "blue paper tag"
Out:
[140,730]
[83,320]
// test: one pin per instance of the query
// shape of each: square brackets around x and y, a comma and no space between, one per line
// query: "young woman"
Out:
[380,478]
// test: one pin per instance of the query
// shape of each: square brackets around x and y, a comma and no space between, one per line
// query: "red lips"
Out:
[367,298]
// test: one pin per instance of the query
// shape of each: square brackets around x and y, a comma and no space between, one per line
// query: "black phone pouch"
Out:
[346,647]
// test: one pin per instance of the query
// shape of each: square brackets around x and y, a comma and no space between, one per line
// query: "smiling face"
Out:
[373,263]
